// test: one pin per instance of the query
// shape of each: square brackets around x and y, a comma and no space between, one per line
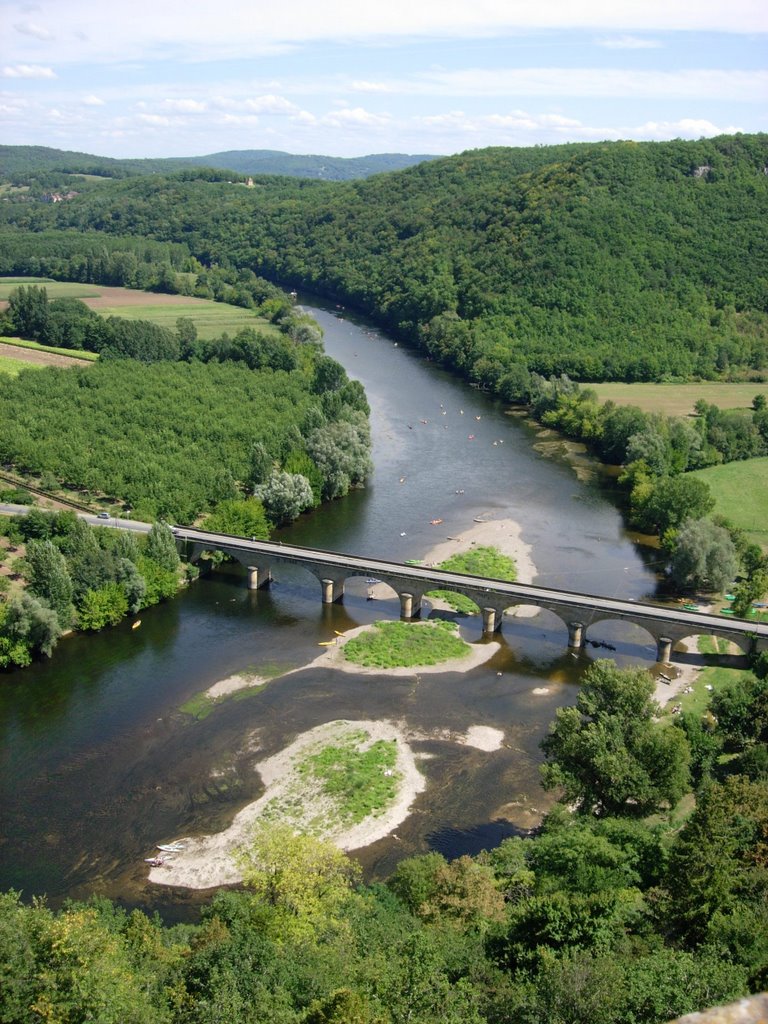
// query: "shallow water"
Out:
[98,764]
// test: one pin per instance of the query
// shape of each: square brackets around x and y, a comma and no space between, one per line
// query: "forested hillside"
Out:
[627,261]
[26,161]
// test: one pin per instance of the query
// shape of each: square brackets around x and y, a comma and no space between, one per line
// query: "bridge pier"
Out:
[491,620]
[253,577]
[576,635]
[333,591]
[663,649]
[410,606]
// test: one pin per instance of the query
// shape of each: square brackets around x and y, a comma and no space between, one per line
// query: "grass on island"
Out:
[200,705]
[480,561]
[359,782]
[406,645]
[740,490]
[679,399]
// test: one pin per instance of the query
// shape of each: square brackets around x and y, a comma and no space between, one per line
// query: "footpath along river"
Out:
[98,763]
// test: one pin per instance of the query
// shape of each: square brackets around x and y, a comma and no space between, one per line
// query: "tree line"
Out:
[603,916]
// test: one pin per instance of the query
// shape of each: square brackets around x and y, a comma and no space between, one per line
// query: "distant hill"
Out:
[23,160]
[604,261]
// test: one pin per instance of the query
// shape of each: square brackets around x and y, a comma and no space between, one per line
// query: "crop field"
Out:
[55,289]
[740,490]
[13,367]
[211,319]
[679,399]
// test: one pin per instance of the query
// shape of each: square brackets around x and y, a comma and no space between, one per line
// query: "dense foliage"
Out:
[608,919]
[176,440]
[78,576]
[604,261]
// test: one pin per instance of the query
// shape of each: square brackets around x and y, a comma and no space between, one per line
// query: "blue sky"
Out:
[170,78]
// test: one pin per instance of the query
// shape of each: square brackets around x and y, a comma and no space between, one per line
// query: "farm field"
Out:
[740,490]
[13,367]
[211,319]
[679,399]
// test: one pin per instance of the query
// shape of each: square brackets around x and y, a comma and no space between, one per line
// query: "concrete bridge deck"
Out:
[579,612]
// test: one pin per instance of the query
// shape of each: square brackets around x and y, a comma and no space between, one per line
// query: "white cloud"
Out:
[362,86]
[30,28]
[270,105]
[355,117]
[99,32]
[629,43]
[185,106]
[92,101]
[685,128]
[27,71]
[156,120]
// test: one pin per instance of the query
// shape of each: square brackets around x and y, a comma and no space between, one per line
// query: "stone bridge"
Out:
[579,612]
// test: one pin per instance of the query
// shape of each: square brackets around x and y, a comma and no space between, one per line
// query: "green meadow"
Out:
[679,399]
[740,490]
[212,319]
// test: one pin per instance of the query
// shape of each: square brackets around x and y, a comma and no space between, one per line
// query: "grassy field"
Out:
[740,490]
[679,399]
[211,319]
[14,366]
[55,289]
[69,353]
[360,782]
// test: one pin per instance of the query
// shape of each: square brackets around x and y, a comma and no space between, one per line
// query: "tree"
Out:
[673,500]
[306,879]
[28,308]
[342,453]
[28,621]
[239,517]
[161,547]
[704,557]
[284,496]
[608,754]
[103,607]
[717,862]
[49,578]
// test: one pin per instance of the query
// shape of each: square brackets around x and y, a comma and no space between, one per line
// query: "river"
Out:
[98,763]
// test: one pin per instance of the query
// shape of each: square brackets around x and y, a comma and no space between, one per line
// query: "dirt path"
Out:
[33,355]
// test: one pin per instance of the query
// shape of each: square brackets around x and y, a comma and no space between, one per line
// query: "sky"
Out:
[156,78]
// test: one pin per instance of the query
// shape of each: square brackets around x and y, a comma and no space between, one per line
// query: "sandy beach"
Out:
[503,534]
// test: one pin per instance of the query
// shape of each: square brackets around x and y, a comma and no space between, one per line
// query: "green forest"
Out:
[606,261]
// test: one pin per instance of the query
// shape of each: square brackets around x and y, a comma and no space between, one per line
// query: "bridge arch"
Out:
[579,612]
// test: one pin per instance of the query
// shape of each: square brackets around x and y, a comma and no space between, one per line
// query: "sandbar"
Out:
[208,861]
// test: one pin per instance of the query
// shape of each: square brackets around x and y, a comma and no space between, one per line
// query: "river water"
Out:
[98,763]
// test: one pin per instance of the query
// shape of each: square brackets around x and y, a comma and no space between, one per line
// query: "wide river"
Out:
[98,763]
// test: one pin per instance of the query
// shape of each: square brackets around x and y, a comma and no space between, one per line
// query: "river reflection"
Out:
[98,763]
